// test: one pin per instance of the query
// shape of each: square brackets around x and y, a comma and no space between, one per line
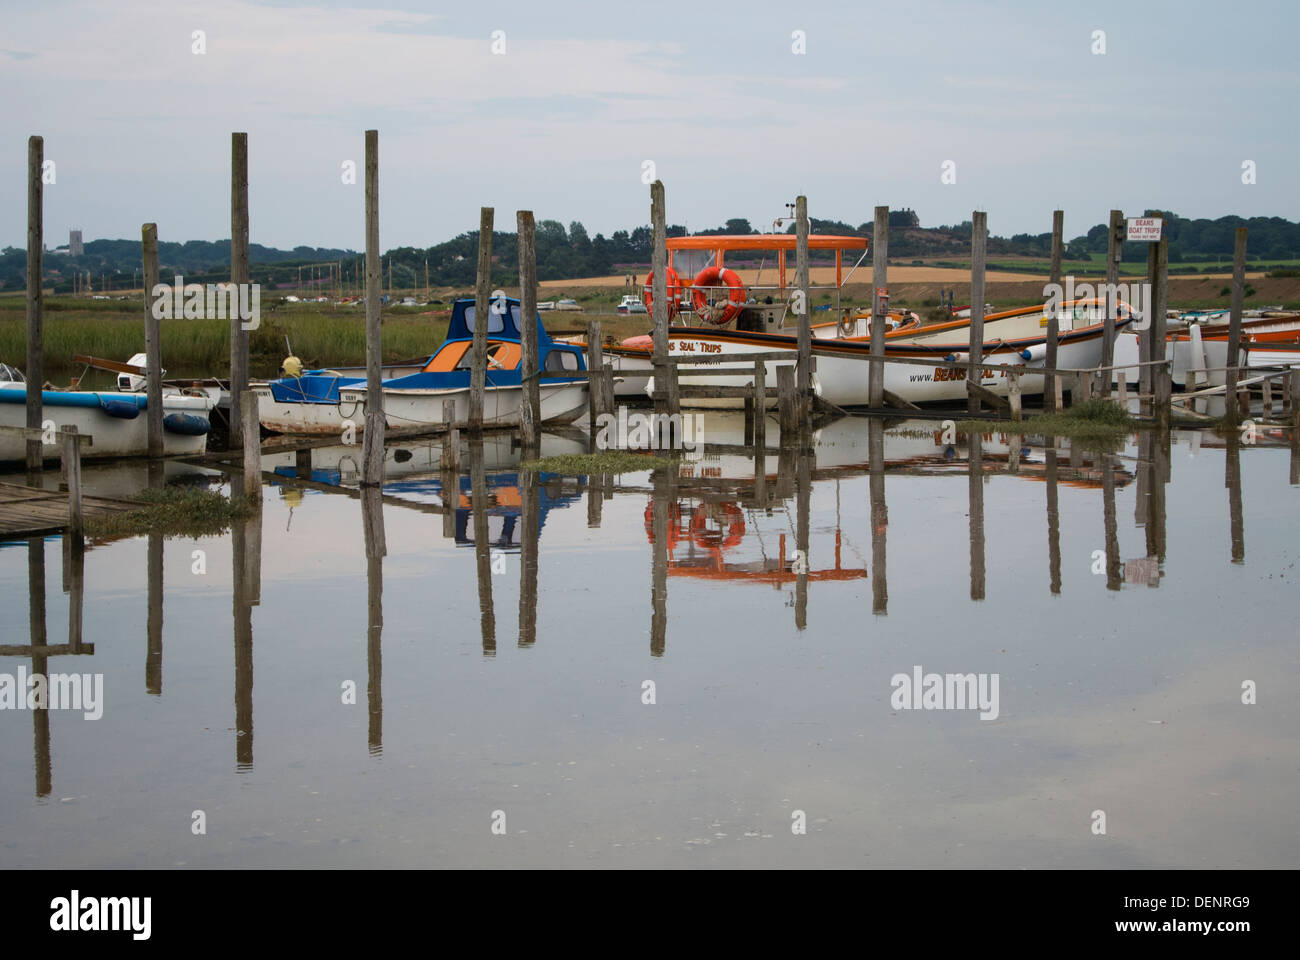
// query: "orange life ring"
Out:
[712,277]
[674,524]
[672,283]
[708,539]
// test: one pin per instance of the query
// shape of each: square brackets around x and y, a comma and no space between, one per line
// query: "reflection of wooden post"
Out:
[482,295]
[879,280]
[1114,573]
[978,246]
[252,435]
[243,619]
[302,464]
[1053,524]
[35,294]
[975,487]
[662,500]
[530,412]
[238,275]
[152,342]
[154,641]
[530,510]
[802,274]
[803,499]
[72,471]
[1232,480]
[372,513]
[372,444]
[36,619]
[482,548]
[450,481]
[1231,408]
[879,516]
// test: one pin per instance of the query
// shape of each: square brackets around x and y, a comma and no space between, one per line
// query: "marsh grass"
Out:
[1100,424]
[611,461]
[174,512]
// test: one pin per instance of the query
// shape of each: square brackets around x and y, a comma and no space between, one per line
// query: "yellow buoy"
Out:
[292,367]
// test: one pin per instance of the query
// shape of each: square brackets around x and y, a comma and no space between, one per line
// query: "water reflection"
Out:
[1232,480]
[482,549]
[879,516]
[246,590]
[975,492]
[372,520]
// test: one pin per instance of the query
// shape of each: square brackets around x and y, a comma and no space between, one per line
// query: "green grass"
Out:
[611,461]
[173,512]
[1096,419]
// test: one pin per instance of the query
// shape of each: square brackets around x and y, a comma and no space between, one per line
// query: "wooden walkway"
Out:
[31,511]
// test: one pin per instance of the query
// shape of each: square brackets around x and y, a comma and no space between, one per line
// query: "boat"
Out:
[631,303]
[307,401]
[417,399]
[1197,345]
[1012,338]
[114,420]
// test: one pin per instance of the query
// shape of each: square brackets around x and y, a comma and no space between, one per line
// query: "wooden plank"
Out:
[978,394]
[894,400]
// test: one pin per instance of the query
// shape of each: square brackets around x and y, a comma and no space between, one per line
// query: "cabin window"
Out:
[561,360]
[496,351]
[496,321]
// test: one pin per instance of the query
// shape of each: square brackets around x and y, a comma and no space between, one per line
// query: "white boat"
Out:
[117,422]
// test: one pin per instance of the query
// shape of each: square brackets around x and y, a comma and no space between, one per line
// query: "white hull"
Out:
[314,419]
[112,436]
[561,403]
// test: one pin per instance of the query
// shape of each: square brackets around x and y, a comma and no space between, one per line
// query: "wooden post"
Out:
[35,294]
[880,281]
[595,365]
[1013,393]
[152,342]
[1162,379]
[530,411]
[482,294]
[786,402]
[1051,385]
[802,281]
[1234,324]
[451,439]
[238,275]
[72,471]
[668,400]
[978,246]
[1293,380]
[607,387]
[760,404]
[372,449]
[252,437]
[1267,390]
[1114,250]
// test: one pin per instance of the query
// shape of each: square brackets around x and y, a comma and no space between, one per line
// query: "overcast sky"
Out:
[562,123]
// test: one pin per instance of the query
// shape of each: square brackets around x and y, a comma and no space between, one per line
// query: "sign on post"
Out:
[1144,229]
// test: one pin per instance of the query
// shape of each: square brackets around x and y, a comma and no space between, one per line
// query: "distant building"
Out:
[75,248]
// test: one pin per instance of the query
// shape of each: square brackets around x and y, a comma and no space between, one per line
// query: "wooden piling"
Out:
[1162,380]
[372,448]
[1234,324]
[72,471]
[595,364]
[1013,393]
[1114,251]
[35,371]
[530,411]
[152,342]
[668,399]
[482,304]
[1293,389]
[786,402]
[804,369]
[451,439]
[252,438]
[1051,383]
[978,246]
[607,388]
[238,275]
[879,281]
[760,404]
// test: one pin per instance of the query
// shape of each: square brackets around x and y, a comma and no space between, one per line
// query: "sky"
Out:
[562,108]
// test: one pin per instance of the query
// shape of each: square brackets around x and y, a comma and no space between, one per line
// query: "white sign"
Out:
[1144,229]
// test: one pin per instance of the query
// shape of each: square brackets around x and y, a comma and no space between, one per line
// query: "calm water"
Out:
[500,655]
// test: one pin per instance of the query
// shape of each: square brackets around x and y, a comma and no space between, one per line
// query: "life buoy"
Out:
[848,324]
[674,524]
[709,539]
[672,283]
[712,277]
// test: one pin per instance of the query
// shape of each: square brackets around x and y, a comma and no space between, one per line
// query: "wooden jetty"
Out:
[31,511]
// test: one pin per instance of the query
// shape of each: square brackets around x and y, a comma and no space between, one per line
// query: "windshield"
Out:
[496,320]
[10,375]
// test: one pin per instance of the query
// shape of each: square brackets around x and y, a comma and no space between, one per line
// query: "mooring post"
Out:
[607,387]
[668,399]
[1114,251]
[805,314]
[372,443]
[978,246]
[252,438]
[152,342]
[35,295]
[879,281]
[1162,381]
[482,304]
[1266,387]
[530,410]
[595,363]
[238,277]
[1234,324]
[1293,379]
[786,405]
[1051,383]
[1013,393]
[72,470]
[760,404]
[451,439]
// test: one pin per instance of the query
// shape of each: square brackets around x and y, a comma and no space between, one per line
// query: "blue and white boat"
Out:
[116,421]
[326,401]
